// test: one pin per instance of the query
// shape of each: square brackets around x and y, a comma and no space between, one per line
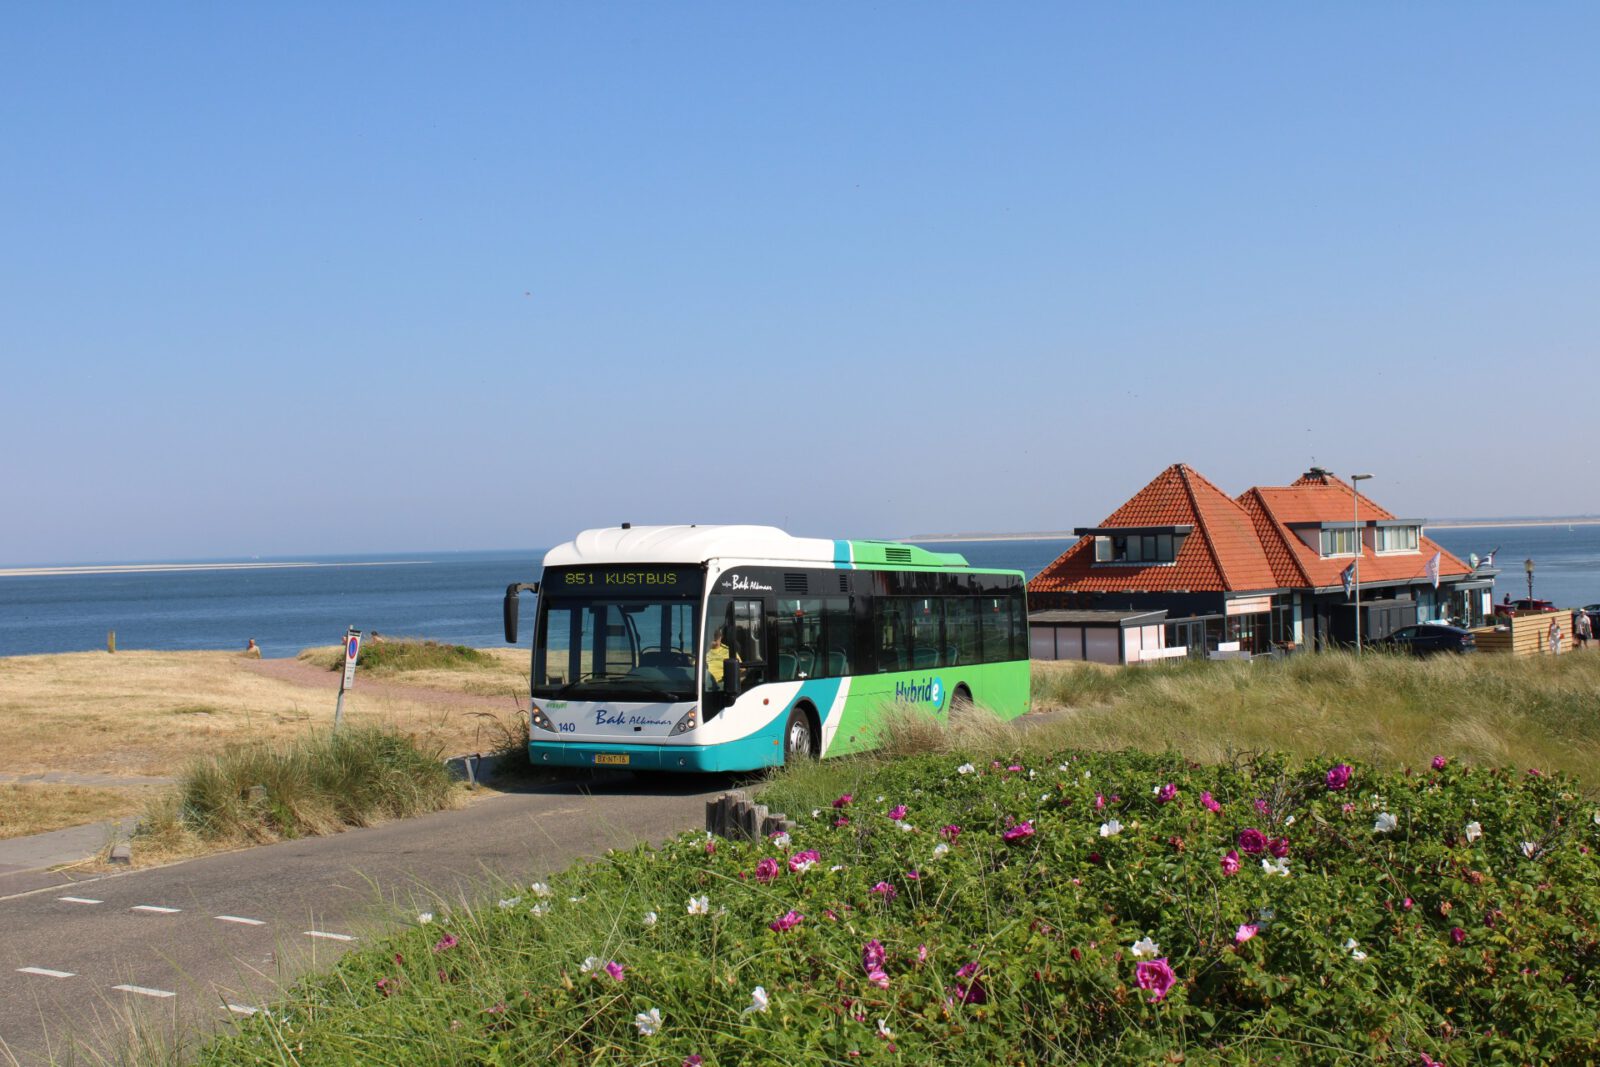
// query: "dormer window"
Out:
[1402,537]
[1138,546]
[1339,541]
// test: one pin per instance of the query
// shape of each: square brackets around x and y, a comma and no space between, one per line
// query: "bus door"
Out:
[742,623]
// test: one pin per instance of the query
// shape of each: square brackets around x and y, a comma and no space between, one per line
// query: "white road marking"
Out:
[47,972]
[331,937]
[144,991]
[158,909]
[239,919]
[240,1009]
[80,900]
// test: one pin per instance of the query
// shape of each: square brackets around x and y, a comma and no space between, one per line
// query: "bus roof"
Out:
[697,544]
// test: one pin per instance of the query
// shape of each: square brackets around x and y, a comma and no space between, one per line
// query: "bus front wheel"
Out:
[799,737]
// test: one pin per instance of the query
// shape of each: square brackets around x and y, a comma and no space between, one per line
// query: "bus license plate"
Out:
[606,757]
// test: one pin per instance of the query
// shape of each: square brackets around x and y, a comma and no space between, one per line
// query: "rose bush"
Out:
[1246,912]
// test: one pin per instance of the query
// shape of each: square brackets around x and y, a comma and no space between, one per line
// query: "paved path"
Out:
[179,950]
[74,778]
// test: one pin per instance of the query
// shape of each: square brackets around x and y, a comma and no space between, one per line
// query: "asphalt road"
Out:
[169,954]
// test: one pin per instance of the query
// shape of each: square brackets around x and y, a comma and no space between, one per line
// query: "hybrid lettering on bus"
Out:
[726,648]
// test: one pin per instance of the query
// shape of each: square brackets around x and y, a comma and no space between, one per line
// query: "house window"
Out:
[1138,548]
[1339,542]
[1398,538]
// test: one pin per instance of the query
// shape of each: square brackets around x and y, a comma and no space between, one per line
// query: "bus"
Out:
[733,648]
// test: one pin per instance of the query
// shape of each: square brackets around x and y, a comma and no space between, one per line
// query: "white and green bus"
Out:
[730,648]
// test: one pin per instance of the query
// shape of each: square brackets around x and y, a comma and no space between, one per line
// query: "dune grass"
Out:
[321,783]
[385,656]
[1387,709]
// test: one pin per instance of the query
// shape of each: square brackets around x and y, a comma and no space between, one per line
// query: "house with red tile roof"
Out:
[1273,567]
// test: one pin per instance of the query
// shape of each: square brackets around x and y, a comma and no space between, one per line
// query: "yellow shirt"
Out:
[716,660]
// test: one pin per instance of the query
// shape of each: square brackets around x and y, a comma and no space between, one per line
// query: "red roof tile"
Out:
[1323,498]
[1222,555]
[1244,545]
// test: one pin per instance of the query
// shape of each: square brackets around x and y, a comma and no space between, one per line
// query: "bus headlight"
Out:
[537,717]
[690,720]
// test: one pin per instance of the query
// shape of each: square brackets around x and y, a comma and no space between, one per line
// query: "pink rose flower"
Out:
[843,801]
[1440,763]
[1252,841]
[1209,802]
[970,989]
[801,861]
[886,891]
[445,943]
[1019,831]
[788,922]
[873,956]
[1245,932]
[614,969]
[1230,863]
[1457,934]
[1278,846]
[1155,976]
[767,870]
[1167,793]
[950,833]
[1339,777]
[897,812]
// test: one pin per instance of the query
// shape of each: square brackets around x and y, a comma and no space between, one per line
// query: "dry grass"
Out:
[36,808]
[149,712]
[1392,710]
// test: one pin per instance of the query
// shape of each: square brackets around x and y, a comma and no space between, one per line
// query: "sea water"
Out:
[456,596]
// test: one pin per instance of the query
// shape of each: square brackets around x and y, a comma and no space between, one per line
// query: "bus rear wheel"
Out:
[799,737]
[960,703]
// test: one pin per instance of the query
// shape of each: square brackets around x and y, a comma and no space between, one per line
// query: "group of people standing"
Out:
[1582,630]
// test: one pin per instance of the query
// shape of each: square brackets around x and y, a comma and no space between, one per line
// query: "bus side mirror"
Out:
[730,679]
[509,608]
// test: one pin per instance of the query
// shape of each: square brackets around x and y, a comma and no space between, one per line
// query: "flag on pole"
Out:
[1432,570]
[1348,577]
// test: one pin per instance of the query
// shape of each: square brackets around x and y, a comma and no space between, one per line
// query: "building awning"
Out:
[1090,617]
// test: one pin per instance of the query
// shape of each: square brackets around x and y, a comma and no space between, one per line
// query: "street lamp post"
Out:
[1527,565]
[1355,573]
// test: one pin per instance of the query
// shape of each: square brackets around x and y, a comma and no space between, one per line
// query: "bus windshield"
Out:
[636,644]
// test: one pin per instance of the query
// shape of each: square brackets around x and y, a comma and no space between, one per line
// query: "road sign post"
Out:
[352,649]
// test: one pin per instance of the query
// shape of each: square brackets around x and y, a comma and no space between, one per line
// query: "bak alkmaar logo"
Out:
[915,692]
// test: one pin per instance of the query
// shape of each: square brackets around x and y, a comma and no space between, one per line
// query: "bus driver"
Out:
[716,659]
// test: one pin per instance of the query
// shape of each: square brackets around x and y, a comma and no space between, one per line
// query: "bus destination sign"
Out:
[635,580]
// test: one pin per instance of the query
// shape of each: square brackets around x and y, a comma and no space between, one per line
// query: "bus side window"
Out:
[961,630]
[994,619]
[838,626]
[891,634]
[927,638]
[798,631]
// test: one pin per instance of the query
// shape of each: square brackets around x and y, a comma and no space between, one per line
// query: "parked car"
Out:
[1523,607]
[1431,637]
[1593,611]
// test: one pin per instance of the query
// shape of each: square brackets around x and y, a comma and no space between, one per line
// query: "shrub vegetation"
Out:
[1097,908]
[318,784]
[392,657]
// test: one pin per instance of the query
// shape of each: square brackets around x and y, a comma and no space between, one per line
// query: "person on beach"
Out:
[1582,628]
[252,649]
[1555,638]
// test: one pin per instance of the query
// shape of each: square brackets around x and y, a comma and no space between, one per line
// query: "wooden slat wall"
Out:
[1528,636]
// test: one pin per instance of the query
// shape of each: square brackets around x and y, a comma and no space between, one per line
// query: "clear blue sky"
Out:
[304,278]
